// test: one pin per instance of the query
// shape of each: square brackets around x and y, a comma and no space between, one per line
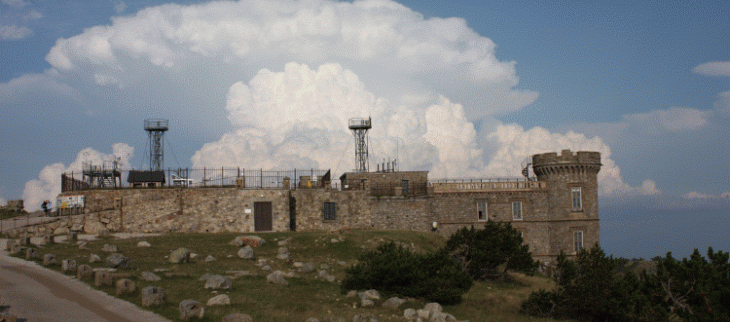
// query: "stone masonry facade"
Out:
[556,211]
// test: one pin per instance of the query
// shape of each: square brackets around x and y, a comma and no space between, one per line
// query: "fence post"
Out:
[222,178]
[204,177]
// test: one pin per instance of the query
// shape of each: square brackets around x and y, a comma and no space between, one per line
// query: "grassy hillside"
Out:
[307,295]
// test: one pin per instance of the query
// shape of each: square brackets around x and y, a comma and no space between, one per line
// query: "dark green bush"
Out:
[491,252]
[393,269]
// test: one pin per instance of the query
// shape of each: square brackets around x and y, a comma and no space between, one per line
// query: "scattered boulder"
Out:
[125,286]
[410,314]
[84,272]
[190,309]
[117,260]
[49,259]
[283,242]
[93,227]
[325,275]
[110,248]
[277,277]
[433,307]
[237,317]
[193,255]
[236,274]
[352,293]
[15,247]
[253,241]
[205,277]
[423,314]
[31,253]
[82,244]
[283,253]
[209,259]
[393,302]
[153,296]
[222,299]
[93,258]
[219,282]
[246,252]
[369,295]
[367,303]
[312,320]
[68,265]
[180,255]
[143,243]
[102,277]
[149,277]
[61,231]
[306,268]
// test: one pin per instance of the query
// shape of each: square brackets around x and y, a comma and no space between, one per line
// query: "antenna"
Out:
[156,129]
[360,127]
[526,167]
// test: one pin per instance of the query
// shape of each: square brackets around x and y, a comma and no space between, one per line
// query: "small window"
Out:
[330,212]
[517,210]
[575,193]
[405,186]
[482,214]
[577,240]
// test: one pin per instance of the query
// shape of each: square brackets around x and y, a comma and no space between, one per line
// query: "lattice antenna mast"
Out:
[156,129]
[360,127]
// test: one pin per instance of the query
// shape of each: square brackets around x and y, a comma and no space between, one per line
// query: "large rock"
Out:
[102,277]
[393,302]
[306,268]
[369,295]
[209,258]
[410,314]
[125,287]
[222,299]
[218,282]
[61,231]
[15,247]
[283,253]
[31,253]
[253,241]
[94,227]
[153,296]
[93,258]
[246,252]
[277,277]
[110,248]
[49,259]
[117,260]
[143,244]
[149,277]
[84,272]
[433,307]
[180,255]
[68,265]
[191,309]
[237,317]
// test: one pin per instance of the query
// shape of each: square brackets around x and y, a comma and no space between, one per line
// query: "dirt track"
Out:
[33,293]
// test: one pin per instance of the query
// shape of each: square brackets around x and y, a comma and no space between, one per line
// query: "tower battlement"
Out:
[567,156]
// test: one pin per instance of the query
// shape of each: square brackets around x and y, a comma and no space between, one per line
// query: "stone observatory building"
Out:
[555,210]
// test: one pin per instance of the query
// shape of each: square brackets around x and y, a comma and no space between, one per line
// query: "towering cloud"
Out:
[48,184]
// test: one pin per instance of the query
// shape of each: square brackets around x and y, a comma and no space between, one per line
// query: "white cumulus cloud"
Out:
[715,68]
[48,184]
[13,32]
[298,118]
[392,47]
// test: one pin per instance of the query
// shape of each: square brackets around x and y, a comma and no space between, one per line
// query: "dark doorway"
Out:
[262,216]
[292,214]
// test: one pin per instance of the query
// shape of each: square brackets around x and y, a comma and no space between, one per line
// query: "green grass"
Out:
[306,295]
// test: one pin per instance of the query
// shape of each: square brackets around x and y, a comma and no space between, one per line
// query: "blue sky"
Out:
[269,84]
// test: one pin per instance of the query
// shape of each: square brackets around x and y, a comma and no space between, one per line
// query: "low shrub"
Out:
[391,268]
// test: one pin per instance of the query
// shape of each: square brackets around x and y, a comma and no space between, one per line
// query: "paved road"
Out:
[33,293]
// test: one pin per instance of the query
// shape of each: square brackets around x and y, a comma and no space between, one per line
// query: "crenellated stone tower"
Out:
[572,184]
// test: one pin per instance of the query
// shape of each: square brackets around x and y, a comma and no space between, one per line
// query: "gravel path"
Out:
[33,293]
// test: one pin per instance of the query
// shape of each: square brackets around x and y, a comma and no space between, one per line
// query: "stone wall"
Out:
[398,213]
[352,209]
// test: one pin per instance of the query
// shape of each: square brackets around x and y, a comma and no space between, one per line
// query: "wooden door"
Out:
[262,216]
